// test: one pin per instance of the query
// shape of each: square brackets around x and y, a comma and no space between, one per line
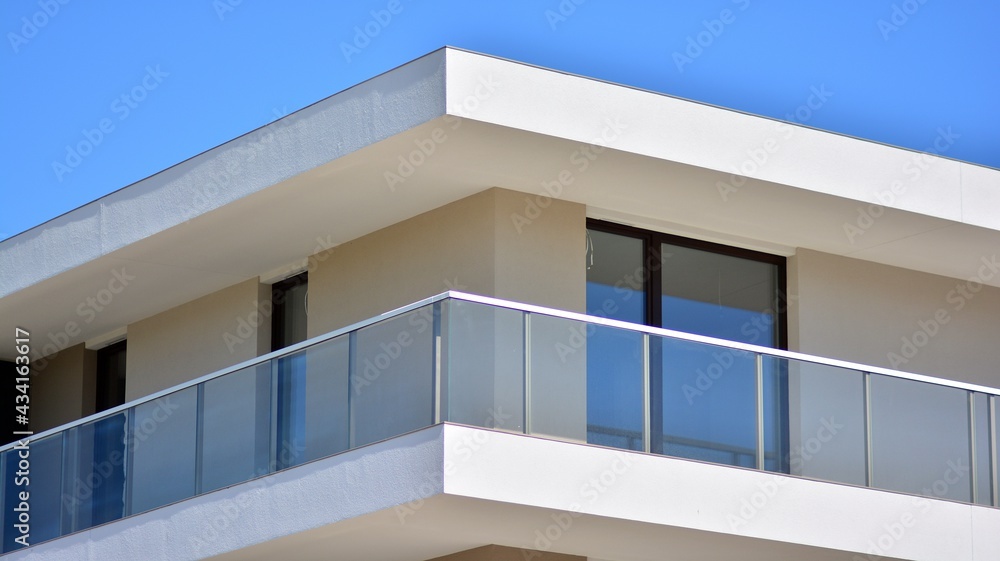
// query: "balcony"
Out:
[521,369]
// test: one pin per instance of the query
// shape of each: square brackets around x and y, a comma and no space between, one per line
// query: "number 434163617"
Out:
[22,340]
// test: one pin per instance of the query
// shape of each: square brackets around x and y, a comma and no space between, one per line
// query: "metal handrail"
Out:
[529,308]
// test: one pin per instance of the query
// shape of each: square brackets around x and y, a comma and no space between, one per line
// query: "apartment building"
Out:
[472,309]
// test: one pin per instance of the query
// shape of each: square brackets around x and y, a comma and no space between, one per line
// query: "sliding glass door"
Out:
[702,398]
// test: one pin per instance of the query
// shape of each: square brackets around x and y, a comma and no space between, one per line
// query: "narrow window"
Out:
[289,299]
[288,321]
[110,376]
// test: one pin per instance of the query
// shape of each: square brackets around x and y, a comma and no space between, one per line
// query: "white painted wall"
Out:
[448,489]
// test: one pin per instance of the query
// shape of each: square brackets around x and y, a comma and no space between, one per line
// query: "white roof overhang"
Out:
[257,205]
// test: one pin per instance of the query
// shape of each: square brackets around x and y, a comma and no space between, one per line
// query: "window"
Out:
[110,376]
[288,320]
[702,397]
[686,285]
[289,299]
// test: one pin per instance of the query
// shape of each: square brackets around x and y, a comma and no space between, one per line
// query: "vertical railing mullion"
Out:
[869,456]
[71,463]
[352,365]
[199,438]
[274,449]
[973,441]
[994,454]
[759,367]
[647,410]
[128,470]
[527,372]
[437,391]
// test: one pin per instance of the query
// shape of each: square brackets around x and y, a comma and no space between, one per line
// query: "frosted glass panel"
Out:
[392,382]
[920,438]
[164,450]
[236,427]
[483,351]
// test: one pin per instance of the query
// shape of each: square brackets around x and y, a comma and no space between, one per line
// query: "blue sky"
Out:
[98,95]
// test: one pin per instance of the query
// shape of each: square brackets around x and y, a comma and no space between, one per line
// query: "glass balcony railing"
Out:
[524,369]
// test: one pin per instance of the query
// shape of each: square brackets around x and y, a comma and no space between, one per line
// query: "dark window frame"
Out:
[652,262]
[279,308]
[108,397]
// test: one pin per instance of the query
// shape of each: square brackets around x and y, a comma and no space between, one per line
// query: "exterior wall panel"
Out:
[895,318]
[202,336]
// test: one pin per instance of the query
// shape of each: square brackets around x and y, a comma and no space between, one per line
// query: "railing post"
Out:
[759,367]
[994,455]
[199,438]
[647,410]
[436,310]
[973,459]
[274,448]
[352,364]
[129,462]
[869,459]
[527,372]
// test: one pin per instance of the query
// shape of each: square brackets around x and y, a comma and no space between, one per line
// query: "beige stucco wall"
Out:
[896,318]
[497,243]
[202,336]
[63,390]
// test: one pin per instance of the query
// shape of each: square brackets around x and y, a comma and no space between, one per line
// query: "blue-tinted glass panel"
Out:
[776,438]
[392,381]
[719,295]
[163,455]
[23,520]
[558,378]
[920,438]
[709,403]
[483,366]
[614,387]
[824,421]
[94,481]
[46,488]
[615,277]
[236,427]
[313,387]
